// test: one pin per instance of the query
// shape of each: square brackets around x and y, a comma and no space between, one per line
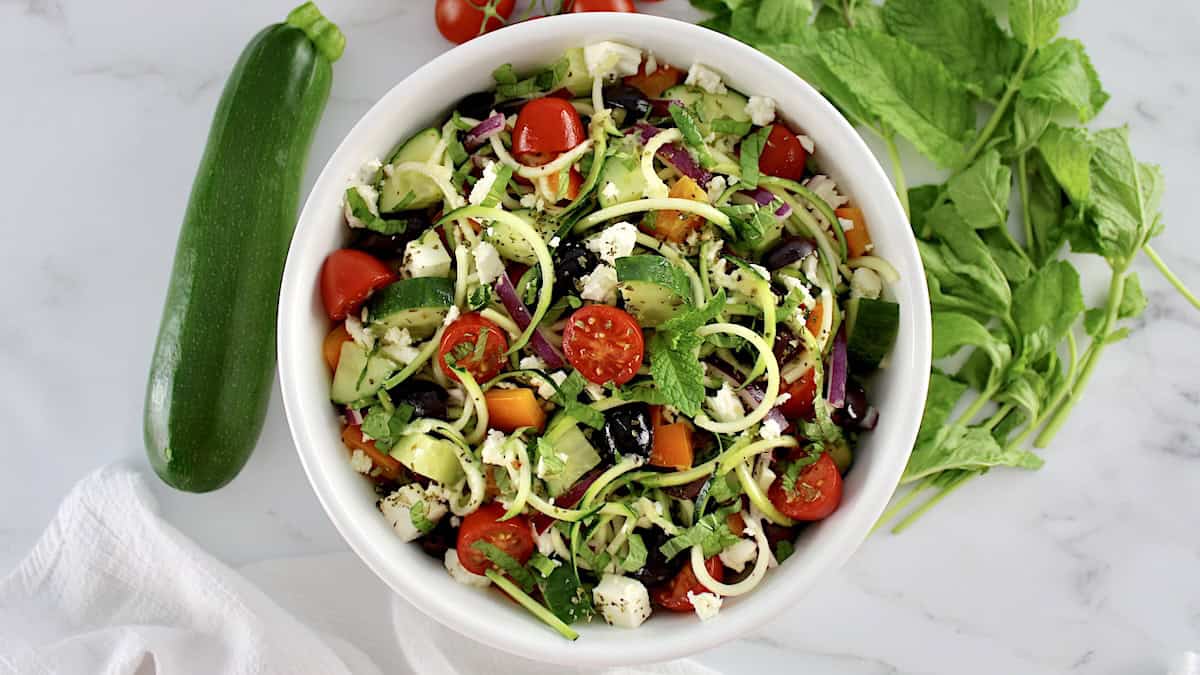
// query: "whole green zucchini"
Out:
[210,379]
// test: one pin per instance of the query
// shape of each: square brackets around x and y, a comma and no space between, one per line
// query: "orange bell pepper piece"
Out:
[331,348]
[511,409]
[858,238]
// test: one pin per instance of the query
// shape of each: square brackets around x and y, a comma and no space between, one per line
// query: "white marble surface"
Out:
[1091,565]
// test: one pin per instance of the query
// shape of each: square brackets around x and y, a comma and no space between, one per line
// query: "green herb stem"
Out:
[999,415]
[932,501]
[985,135]
[1026,218]
[972,410]
[904,501]
[544,615]
[889,139]
[1170,276]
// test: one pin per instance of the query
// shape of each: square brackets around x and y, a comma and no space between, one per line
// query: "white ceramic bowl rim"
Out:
[304,381]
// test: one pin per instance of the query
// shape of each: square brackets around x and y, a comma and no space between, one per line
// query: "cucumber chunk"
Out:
[624,174]
[511,245]
[418,305]
[654,289]
[731,104]
[358,376]
[565,437]
[394,189]
[871,327]
[431,457]
[577,80]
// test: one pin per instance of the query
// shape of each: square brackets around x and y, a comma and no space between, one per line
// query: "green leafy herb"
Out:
[676,371]
[543,565]
[636,558]
[386,426]
[479,298]
[752,147]
[499,188]
[784,550]
[711,533]
[689,126]
[548,462]
[725,125]
[371,220]
[566,396]
[565,596]
[506,563]
[418,515]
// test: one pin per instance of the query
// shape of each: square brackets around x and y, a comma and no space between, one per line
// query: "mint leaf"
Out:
[386,426]
[1049,218]
[863,15]
[677,373]
[1028,121]
[963,34]
[961,272]
[960,447]
[565,596]
[689,126]
[1062,74]
[1045,307]
[371,221]
[943,396]
[636,558]
[1125,198]
[1068,153]
[566,396]
[981,192]
[711,533]
[751,150]
[779,17]
[1015,266]
[1133,300]
[952,332]
[418,515]
[1035,22]
[505,563]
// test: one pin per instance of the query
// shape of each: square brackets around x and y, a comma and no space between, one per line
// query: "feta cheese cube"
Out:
[600,285]
[611,58]
[452,315]
[369,172]
[771,429]
[806,142]
[493,450]
[545,541]
[651,62]
[846,224]
[360,462]
[487,262]
[484,185]
[615,241]
[736,555]
[398,346]
[706,604]
[610,191]
[623,602]
[426,257]
[725,406]
[531,363]
[545,390]
[397,508]
[761,110]
[461,574]
[701,76]
[359,333]
[715,187]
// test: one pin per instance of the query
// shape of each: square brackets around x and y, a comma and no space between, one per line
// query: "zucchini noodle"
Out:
[416,364]
[732,458]
[655,188]
[705,256]
[475,398]
[876,264]
[745,585]
[523,479]
[702,419]
[468,410]
[819,204]
[563,161]
[665,204]
[461,265]
[766,298]
[759,498]
[622,534]
[570,515]
[669,252]
[439,174]
[474,474]
[545,262]
[502,320]
[829,257]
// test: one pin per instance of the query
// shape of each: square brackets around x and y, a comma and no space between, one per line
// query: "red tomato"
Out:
[462,339]
[817,493]
[782,156]
[602,6]
[347,279]
[544,128]
[604,343]
[512,536]
[800,397]
[461,20]
[672,595]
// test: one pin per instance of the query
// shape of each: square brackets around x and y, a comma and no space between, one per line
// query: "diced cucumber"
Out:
[565,437]
[425,256]
[577,81]
[730,105]
[418,305]
[508,243]
[431,457]
[624,173]
[357,376]
[654,289]
[394,189]
[871,327]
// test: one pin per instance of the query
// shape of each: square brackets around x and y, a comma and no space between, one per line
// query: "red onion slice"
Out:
[763,197]
[674,154]
[483,131]
[354,417]
[520,313]
[838,370]
[752,395]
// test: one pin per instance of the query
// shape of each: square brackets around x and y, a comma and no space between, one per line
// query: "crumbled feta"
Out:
[452,315]
[715,188]
[825,188]
[545,541]
[370,196]
[461,574]
[761,110]
[487,262]
[484,185]
[651,62]
[600,285]
[554,242]
[846,224]
[360,334]
[736,555]
[865,283]
[545,389]
[706,604]
[623,602]
[610,191]
[734,180]
[398,346]
[531,363]
[615,241]
[701,76]
[771,429]
[594,391]
[397,508]
[766,478]
[531,200]
[493,450]
[360,462]
[807,143]
[369,171]
[426,257]
[762,271]
[725,406]
[611,58]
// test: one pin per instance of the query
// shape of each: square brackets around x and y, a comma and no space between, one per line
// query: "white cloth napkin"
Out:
[112,588]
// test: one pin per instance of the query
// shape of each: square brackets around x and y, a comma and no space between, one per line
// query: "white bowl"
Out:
[423,98]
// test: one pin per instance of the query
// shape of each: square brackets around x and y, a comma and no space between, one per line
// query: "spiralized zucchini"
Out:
[475,399]
[423,355]
[731,459]
[665,204]
[876,264]
[471,468]
[758,497]
[524,477]
[655,187]
[755,416]
[439,174]
[745,585]
[563,161]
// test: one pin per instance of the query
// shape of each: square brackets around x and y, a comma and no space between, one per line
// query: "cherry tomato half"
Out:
[461,20]
[604,343]
[462,340]
[513,536]
[816,494]
[801,393]
[782,155]
[602,6]
[347,278]
[672,595]
[544,128]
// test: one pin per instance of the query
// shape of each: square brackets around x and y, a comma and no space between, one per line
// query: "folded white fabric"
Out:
[112,588]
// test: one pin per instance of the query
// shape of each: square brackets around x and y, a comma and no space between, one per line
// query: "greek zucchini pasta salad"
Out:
[600,337]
